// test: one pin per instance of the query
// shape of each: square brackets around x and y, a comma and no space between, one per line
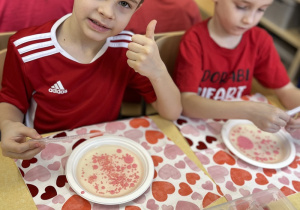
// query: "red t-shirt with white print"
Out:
[56,92]
[218,73]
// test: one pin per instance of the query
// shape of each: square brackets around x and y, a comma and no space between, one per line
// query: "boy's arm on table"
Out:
[14,134]
[143,57]
[265,116]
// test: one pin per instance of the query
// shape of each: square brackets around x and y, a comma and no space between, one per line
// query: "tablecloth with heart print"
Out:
[235,177]
[178,183]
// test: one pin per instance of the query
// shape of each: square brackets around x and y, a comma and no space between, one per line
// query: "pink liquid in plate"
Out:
[110,171]
[258,145]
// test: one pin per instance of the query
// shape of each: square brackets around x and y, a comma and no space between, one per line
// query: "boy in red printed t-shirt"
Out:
[73,72]
[218,60]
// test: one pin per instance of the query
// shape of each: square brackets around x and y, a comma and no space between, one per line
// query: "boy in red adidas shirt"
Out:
[73,72]
[219,58]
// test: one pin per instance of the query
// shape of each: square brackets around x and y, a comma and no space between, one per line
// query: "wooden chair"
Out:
[2,58]
[4,39]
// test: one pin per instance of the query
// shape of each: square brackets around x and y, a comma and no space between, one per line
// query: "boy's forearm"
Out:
[168,102]
[199,107]
[289,96]
[9,112]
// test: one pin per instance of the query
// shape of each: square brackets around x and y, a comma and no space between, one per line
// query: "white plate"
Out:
[83,148]
[288,148]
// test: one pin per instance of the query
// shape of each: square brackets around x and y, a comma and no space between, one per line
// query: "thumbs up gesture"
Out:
[143,54]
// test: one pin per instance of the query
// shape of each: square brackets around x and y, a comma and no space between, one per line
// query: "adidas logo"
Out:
[58,88]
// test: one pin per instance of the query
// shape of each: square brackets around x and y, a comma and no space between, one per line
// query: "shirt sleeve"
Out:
[14,90]
[188,70]
[269,70]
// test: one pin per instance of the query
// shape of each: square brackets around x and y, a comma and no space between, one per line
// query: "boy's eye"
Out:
[241,7]
[124,4]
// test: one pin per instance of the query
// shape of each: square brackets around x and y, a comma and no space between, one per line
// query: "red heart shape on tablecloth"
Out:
[219,190]
[192,178]
[201,145]
[50,192]
[132,208]
[77,143]
[181,121]
[222,157]
[296,185]
[261,179]
[62,134]
[189,141]
[287,191]
[161,189]
[61,181]
[153,136]
[209,198]
[239,176]
[245,98]
[96,135]
[185,189]
[210,139]
[76,202]
[157,160]
[33,190]
[137,122]
[269,172]
[295,163]
[26,163]
[155,174]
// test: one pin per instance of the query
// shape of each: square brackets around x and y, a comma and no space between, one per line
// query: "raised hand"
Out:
[143,54]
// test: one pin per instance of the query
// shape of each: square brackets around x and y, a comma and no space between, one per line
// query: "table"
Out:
[12,185]
[15,195]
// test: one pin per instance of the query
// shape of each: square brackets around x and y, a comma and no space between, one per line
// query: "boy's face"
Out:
[237,16]
[99,19]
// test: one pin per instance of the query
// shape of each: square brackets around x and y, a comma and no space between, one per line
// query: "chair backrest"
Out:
[2,58]
[4,36]
[168,46]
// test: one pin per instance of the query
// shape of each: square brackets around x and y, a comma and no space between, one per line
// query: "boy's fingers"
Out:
[151,29]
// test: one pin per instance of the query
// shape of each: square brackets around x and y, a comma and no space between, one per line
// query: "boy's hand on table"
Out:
[268,117]
[14,144]
[143,54]
[293,124]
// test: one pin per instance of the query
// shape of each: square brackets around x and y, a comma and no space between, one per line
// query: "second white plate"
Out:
[256,147]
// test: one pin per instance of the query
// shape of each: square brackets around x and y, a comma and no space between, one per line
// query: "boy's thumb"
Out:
[150,29]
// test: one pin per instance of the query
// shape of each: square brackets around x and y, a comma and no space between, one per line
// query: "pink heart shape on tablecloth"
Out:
[180,164]
[203,158]
[229,185]
[207,185]
[157,149]
[81,131]
[171,151]
[201,127]
[54,166]
[197,196]
[141,199]
[244,192]
[186,205]
[168,171]
[152,205]
[214,127]
[58,199]
[284,180]
[145,145]
[165,207]
[134,135]
[44,207]
[113,127]
[218,173]
[286,170]
[38,173]
[190,130]
[52,150]
[297,174]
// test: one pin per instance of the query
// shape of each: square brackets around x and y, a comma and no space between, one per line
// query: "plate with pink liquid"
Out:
[109,170]
[256,147]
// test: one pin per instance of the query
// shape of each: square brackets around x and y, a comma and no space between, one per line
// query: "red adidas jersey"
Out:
[56,92]
[214,72]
